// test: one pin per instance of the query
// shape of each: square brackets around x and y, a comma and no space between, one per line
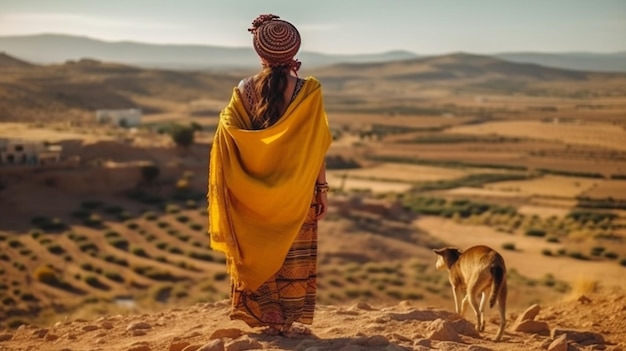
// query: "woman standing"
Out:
[267,185]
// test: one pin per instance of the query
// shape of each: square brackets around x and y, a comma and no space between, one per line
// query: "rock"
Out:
[423,342]
[478,348]
[364,306]
[392,347]
[213,345]
[350,347]
[139,348]
[138,326]
[139,333]
[416,315]
[377,340]
[40,333]
[178,346]
[243,343]
[89,328]
[465,327]
[580,337]
[583,300]
[559,344]
[192,348]
[443,331]
[530,314]
[107,325]
[400,337]
[532,327]
[5,337]
[231,333]
[51,337]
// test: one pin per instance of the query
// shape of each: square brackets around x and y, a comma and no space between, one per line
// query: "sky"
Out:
[338,26]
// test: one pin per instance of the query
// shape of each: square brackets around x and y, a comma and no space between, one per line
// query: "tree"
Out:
[182,135]
[150,173]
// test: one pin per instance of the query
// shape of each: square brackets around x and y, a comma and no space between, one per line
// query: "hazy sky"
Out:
[338,26]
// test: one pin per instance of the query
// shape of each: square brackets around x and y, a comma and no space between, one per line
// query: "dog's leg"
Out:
[456,298]
[471,294]
[463,306]
[502,309]
[481,308]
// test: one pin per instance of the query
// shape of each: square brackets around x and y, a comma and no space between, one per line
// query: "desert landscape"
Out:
[105,246]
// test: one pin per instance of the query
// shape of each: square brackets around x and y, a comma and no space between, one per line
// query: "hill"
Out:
[57,48]
[73,90]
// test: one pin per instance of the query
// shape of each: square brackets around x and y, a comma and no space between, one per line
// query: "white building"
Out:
[28,152]
[124,118]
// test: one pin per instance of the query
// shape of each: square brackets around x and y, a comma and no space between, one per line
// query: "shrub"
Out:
[552,239]
[89,247]
[161,245]
[35,233]
[175,250]
[132,225]
[172,208]
[111,234]
[508,246]
[14,243]
[219,276]
[119,243]
[95,282]
[546,252]
[622,262]
[204,256]
[196,226]
[610,255]
[162,224]
[577,255]
[93,220]
[114,276]
[46,275]
[536,232]
[190,204]
[113,210]
[597,250]
[56,249]
[139,251]
[182,219]
[151,216]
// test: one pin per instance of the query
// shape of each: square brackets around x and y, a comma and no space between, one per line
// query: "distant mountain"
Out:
[7,62]
[56,48]
[611,62]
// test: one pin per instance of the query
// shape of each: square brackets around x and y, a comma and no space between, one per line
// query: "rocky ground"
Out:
[594,322]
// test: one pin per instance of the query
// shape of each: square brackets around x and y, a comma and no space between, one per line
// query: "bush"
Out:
[219,276]
[577,255]
[139,251]
[610,255]
[162,224]
[508,246]
[172,208]
[536,232]
[93,220]
[91,204]
[56,249]
[132,225]
[622,262]
[95,282]
[119,243]
[191,204]
[151,216]
[597,250]
[35,233]
[196,226]
[114,276]
[46,275]
[182,219]
[181,135]
[546,252]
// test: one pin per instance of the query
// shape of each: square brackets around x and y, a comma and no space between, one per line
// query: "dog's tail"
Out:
[497,272]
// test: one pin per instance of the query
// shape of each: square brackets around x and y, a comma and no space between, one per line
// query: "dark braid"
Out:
[270,87]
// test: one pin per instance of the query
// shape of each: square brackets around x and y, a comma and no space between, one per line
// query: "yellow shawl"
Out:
[261,183]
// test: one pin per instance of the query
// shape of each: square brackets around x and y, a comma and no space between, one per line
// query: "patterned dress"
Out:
[289,295]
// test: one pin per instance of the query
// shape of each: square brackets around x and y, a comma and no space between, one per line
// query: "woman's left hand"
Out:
[322,205]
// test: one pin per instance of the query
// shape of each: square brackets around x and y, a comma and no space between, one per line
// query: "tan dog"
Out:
[477,271]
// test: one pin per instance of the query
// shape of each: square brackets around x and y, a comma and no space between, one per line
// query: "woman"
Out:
[267,185]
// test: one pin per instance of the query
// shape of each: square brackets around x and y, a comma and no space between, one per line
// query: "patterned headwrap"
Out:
[276,41]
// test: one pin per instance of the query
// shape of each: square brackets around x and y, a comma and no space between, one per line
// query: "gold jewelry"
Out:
[322,187]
